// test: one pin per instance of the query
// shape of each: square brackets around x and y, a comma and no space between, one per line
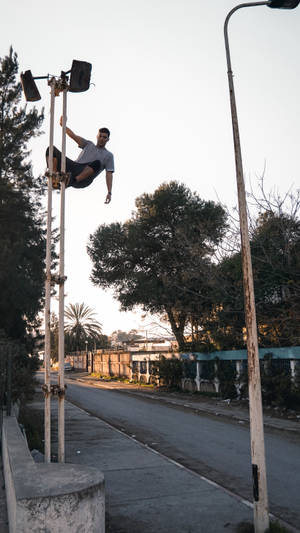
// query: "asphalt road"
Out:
[216,448]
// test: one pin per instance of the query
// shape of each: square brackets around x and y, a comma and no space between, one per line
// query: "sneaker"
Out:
[56,181]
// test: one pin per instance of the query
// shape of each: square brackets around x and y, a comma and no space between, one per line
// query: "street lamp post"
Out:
[79,82]
[260,495]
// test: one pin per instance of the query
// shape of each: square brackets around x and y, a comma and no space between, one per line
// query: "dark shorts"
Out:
[76,168]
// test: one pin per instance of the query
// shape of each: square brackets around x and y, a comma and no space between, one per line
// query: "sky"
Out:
[159,83]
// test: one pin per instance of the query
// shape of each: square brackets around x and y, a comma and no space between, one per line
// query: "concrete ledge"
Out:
[58,498]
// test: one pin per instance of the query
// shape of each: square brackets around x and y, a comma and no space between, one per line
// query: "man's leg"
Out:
[56,158]
[72,168]
[83,174]
[86,173]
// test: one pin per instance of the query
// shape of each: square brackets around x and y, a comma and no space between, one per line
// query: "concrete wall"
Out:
[106,363]
[58,498]
[137,365]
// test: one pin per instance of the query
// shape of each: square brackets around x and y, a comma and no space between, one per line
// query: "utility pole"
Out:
[260,493]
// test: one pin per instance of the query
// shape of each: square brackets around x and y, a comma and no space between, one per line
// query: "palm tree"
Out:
[81,325]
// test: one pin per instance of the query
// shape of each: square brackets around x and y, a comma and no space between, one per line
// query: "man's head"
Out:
[103,137]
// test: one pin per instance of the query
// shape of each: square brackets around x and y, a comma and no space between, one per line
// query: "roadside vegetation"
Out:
[22,237]
[178,257]
[82,331]
[275,527]
[278,390]
[33,422]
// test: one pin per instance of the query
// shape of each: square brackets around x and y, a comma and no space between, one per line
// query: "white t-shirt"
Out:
[90,152]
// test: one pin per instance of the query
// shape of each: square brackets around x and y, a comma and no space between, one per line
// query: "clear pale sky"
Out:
[160,85]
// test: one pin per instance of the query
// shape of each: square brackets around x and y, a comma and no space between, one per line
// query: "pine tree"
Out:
[22,234]
[18,125]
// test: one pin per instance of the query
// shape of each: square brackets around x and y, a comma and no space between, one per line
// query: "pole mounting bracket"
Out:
[46,390]
[57,279]
[60,84]
[56,390]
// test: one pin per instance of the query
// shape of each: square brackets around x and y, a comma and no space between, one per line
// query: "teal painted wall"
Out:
[292,352]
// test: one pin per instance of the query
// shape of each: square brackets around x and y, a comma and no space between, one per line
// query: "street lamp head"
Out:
[80,76]
[29,87]
[283,4]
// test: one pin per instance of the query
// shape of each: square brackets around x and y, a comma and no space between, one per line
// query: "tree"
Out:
[21,262]
[275,249]
[169,372]
[119,337]
[18,126]
[160,259]
[94,342]
[81,326]
[22,239]
[276,264]
[21,376]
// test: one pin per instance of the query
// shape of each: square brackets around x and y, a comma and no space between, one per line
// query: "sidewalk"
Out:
[3,509]
[146,492]
[231,409]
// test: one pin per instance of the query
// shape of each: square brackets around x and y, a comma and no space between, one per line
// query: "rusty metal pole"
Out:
[260,494]
[61,336]
[47,385]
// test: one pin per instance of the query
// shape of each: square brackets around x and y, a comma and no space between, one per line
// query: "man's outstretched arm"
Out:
[109,180]
[79,140]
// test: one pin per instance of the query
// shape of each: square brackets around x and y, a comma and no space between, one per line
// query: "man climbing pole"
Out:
[92,160]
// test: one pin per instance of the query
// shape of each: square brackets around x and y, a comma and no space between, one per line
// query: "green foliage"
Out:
[226,373]
[18,126]
[275,248]
[275,527]
[277,386]
[119,337]
[33,422]
[226,323]
[22,240]
[168,371]
[94,341]
[245,527]
[23,369]
[208,370]
[21,261]
[160,259]
[81,327]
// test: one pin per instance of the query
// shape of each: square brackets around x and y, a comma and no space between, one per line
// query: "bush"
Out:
[33,422]
[23,368]
[226,373]
[277,386]
[275,527]
[168,371]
